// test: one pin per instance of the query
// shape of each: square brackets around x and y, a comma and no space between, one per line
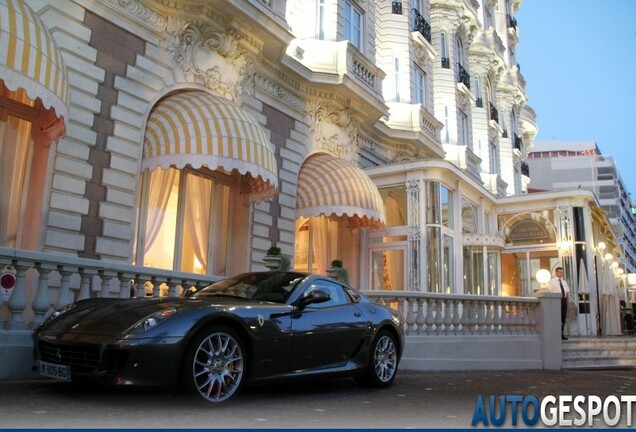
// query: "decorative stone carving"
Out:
[135,9]
[413,185]
[209,58]
[332,129]
[279,92]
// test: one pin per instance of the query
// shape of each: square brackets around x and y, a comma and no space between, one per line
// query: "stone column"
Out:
[548,317]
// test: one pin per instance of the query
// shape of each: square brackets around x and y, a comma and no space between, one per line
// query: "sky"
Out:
[578,58]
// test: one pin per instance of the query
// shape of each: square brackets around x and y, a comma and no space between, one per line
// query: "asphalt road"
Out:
[416,400]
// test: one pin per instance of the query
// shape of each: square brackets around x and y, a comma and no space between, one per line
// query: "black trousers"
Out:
[564,312]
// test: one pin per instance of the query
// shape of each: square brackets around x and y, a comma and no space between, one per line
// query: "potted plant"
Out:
[275,260]
[337,271]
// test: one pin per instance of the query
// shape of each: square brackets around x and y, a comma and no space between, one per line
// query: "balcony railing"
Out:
[463,76]
[525,169]
[445,62]
[396,7]
[512,21]
[494,113]
[421,25]
[518,142]
[479,103]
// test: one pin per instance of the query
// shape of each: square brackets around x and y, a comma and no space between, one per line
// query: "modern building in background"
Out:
[581,165]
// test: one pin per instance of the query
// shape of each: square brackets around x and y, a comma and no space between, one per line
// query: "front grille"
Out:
[81,358]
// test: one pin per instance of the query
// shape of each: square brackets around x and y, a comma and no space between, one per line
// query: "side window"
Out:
[338,296]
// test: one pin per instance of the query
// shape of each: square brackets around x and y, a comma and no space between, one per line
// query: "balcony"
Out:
[396,7]
[330,62]
[421,25]
[512,21]
[494,113]
[463,76]
[415,123]
[517,142]
[525,169]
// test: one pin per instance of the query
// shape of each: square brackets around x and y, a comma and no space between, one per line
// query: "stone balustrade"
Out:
[445,314]
[45,282]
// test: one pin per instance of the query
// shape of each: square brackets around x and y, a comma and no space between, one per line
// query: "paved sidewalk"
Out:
[416,400]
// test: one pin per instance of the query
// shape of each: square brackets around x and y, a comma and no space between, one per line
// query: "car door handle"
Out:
[357,314]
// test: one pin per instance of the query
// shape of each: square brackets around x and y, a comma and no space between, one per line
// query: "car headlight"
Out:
[58,313]
[152,320]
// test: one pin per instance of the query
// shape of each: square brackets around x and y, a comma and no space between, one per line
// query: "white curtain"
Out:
[159,190]
[221,226]
[395,269]
[319,232]
[15,142]
[197,220]
[395,209]
[610,304]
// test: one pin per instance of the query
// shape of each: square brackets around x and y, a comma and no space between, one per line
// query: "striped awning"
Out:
[198,129]
[30,59]
[328,185]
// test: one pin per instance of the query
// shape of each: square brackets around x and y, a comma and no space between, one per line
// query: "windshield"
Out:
[272,287]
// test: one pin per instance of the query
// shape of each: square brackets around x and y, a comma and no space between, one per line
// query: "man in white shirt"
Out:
[558,285]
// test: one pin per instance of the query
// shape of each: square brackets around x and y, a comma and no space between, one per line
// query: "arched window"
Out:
[204,161]
[33,106]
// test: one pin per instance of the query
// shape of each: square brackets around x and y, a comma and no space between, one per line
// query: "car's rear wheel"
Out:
[215,364]
[383,361]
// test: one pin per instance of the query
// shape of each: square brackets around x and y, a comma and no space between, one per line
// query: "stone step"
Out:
[580,353]
[599,362]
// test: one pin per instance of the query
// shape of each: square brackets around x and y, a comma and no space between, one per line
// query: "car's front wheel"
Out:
[383,361]
[215,364]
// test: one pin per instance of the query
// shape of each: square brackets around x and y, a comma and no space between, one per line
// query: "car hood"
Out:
[116,316]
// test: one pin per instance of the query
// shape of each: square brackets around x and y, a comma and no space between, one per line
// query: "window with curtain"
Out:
[22,173]
[439,238]
[186,221]
[419,79]
[493,157]
[395,205]
[462,120]
[353,25]
[320,21]
[320,240]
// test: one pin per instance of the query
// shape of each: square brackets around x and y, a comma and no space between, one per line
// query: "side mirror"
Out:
[316,296]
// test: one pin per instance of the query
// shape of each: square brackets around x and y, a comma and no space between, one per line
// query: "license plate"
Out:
[56,371]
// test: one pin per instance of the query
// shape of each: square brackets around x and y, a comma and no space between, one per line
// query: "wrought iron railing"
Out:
[494,113]
[518,142]
[396,7]
[445,62]
[421,25]
[462,75]
[512,21]
[479,103]
[525,169]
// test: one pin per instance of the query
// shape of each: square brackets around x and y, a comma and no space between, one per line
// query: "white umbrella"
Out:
[583,287]
[612,320]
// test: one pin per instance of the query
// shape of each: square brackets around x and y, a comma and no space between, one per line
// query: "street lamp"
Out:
[543,276]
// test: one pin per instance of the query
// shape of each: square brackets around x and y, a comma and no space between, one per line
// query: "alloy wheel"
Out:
[385,358]
[218,366]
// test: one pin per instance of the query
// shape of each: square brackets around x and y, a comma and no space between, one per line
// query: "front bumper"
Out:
[144,362]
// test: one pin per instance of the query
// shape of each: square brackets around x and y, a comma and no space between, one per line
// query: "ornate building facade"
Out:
[191,136]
